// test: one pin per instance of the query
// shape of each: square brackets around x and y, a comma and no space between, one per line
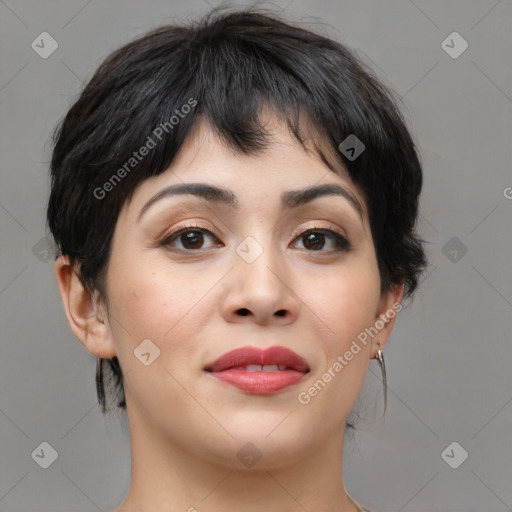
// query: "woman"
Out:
[234,203]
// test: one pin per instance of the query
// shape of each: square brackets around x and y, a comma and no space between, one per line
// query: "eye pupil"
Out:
[311,240]
[193,237]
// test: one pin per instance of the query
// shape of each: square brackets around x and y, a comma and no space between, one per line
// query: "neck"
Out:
[166,478]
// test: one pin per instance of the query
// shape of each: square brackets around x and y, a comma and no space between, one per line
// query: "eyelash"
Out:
[341,242]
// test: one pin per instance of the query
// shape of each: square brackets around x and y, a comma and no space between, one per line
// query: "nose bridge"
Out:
[258,262]
[258,250]
[260,285]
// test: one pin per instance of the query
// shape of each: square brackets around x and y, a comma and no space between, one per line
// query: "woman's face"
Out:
[297,274]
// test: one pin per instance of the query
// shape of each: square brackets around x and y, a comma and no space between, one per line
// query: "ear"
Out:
[389,306]
[87,319]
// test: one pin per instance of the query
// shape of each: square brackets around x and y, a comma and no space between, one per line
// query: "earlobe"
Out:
[86,318]
[389,306]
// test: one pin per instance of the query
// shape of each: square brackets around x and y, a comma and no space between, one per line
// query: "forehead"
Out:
[258,177]
[282,152]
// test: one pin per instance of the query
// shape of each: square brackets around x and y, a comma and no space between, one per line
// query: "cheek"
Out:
[345,302]
[150,302]
[349,308]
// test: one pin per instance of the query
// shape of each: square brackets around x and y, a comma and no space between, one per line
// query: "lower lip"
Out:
[261,383]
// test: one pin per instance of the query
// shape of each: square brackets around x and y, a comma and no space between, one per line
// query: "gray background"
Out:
[449,357]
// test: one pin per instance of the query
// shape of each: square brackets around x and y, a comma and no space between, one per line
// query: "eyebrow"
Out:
[289,199]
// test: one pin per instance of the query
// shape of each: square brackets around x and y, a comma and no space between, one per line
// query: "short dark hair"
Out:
[226,67]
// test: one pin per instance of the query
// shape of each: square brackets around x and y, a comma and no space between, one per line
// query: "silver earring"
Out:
[380,357]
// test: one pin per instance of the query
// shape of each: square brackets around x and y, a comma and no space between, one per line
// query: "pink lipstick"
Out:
[259,371]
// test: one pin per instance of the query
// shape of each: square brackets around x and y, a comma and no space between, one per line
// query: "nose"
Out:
[260,292]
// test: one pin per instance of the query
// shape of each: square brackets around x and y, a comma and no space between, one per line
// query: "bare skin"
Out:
[186,427]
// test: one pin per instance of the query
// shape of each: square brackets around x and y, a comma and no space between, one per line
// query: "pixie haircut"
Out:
[226,67]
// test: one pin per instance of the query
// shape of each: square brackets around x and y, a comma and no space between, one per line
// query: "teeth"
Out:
[264,368]
[253,368]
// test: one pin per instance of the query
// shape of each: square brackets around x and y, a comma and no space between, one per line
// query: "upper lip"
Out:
[251,355]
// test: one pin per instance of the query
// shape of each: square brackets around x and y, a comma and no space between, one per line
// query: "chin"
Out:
[264,445]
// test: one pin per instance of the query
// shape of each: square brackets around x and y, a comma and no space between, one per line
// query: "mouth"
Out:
[257,371]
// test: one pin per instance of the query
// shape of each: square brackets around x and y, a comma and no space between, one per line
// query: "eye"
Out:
[315,239]
[190,237]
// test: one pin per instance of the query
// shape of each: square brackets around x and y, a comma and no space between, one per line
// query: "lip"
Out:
[229,368]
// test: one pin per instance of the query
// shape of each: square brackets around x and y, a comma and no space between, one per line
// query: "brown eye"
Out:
[316,239]
[189,238]
[192,239]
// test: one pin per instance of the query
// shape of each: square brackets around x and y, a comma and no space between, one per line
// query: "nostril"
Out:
[281,312]
[243,311]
